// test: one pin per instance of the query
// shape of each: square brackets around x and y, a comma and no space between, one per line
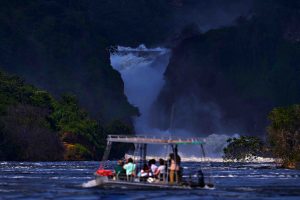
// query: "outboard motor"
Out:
[200,177]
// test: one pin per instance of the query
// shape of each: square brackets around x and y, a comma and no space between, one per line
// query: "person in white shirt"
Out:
[161,170]
[152,166]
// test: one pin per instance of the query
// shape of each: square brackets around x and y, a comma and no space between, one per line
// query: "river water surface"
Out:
[72,180]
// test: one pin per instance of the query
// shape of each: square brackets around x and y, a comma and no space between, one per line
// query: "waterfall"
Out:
[142,71]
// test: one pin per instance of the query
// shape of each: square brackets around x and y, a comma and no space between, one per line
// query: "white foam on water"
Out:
[141,47]
[89,184]
[258,160]
[18,177]
[208,188]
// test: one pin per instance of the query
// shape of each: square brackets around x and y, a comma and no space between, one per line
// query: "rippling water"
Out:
[65,180]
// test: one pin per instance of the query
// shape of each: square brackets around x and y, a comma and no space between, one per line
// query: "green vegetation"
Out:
[284,134]
[283,139]
[245,148]
[34,126]
[62,47]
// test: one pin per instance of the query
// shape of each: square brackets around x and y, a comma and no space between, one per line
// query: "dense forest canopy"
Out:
[34,126]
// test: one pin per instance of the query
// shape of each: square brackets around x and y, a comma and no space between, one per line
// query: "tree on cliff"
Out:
[244,148]
[284,134]
[80,134]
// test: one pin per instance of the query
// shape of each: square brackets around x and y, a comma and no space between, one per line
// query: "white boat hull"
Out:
[103,181]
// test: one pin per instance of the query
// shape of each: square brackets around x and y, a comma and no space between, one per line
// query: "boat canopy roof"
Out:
[153,140]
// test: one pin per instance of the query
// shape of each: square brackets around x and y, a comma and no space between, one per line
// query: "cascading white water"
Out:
[142,71]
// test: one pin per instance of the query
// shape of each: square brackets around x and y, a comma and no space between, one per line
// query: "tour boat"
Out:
[105,176]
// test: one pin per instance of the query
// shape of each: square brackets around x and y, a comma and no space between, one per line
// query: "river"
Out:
[70,180]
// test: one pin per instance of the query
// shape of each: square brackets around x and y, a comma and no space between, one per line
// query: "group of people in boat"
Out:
[161,171]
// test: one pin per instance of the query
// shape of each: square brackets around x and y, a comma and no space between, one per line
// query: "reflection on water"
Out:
[74,180]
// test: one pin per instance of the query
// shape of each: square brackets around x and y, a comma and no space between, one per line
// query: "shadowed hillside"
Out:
[228,79]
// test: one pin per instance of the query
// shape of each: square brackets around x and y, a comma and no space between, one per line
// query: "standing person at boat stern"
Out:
[174,163]
[130,169]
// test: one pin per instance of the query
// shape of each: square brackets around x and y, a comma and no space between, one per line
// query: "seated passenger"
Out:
[130,168]
[152,167]
[120,171]
[144,173]
[161,170]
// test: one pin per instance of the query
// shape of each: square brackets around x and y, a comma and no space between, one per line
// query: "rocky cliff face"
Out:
[228,79]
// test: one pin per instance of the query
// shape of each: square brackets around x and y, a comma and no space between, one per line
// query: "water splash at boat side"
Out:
[90,184]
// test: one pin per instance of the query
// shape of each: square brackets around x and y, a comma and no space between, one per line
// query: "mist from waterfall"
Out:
[142,71]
